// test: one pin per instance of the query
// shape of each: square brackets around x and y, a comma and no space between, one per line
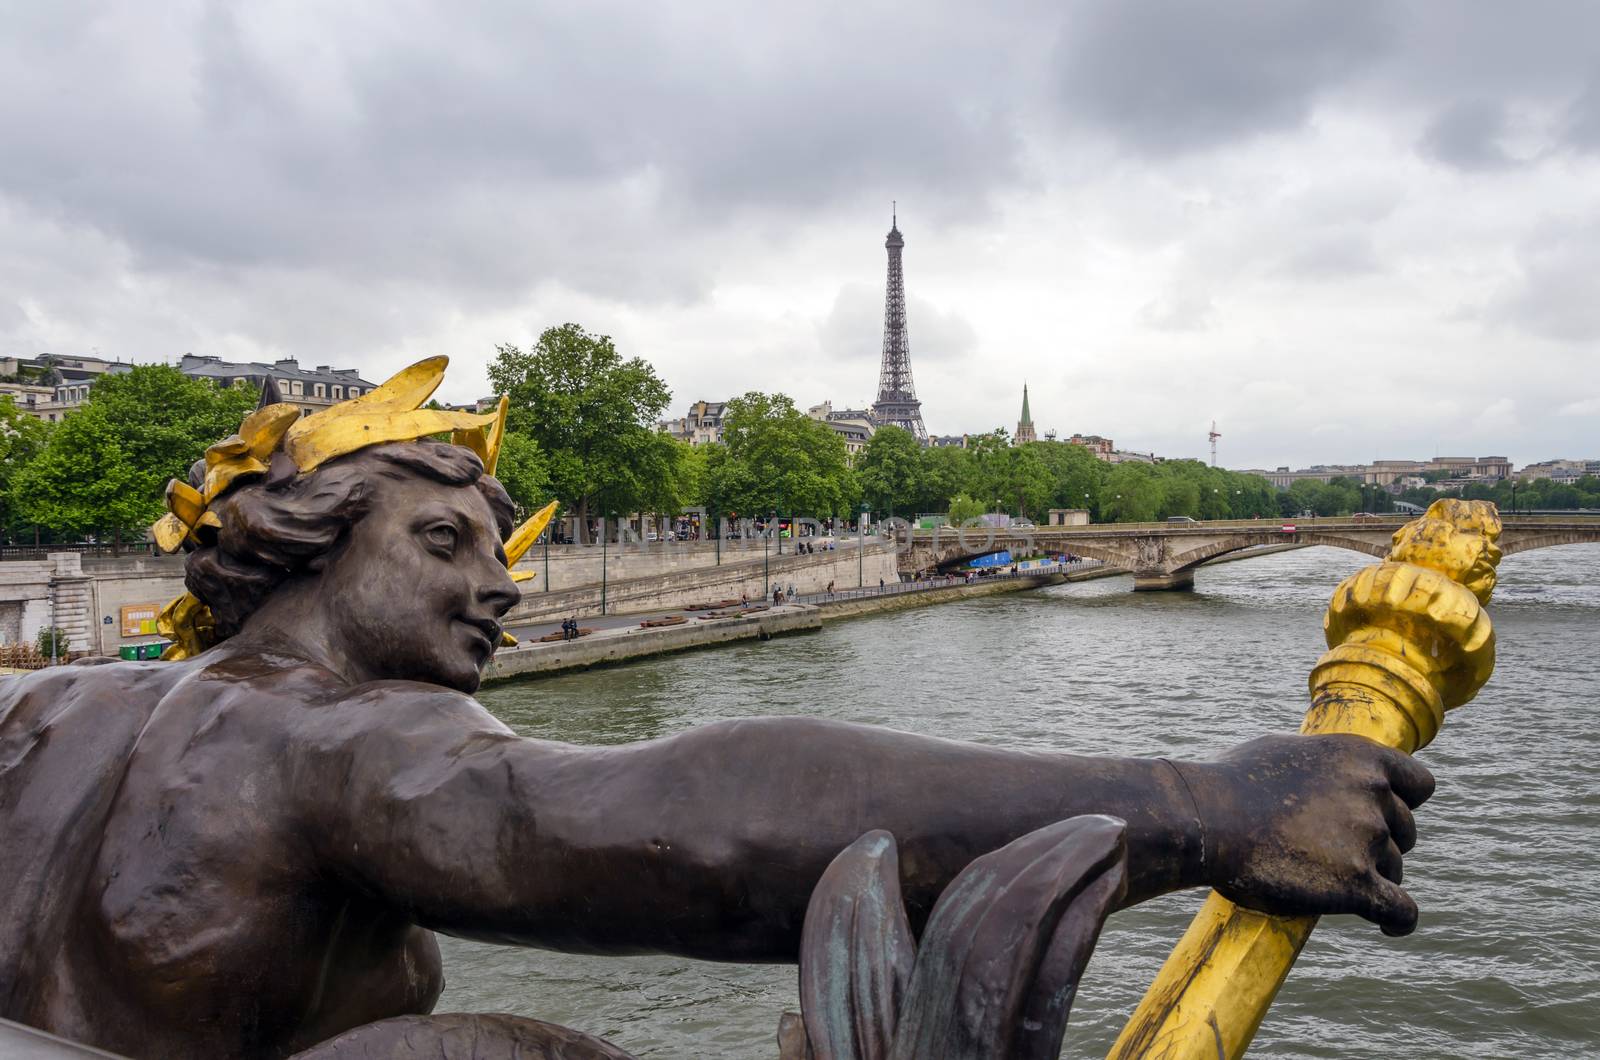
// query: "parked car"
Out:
[1180,519]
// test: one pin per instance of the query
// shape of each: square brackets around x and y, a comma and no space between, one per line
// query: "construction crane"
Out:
[1214,436]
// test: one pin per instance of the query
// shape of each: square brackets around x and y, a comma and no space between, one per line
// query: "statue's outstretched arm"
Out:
[709,843]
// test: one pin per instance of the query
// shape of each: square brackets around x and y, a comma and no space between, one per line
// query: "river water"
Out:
[1506,961]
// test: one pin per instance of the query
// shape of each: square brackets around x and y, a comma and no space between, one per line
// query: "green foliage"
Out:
[593,416]
[105,467]
[944,472]
[964,510]
[1341,496]
[890,470]
[1075,473]
[521,469]
[1530,495]
[21,438]
[52,641]
[1132,493]
[774,458]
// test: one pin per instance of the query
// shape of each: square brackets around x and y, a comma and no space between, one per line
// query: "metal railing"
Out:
[87,548]
[954,581]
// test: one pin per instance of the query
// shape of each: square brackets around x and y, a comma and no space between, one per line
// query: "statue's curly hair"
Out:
[273,527]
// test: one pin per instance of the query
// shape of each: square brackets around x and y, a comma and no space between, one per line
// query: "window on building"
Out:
[319,390]
[296,387]
[355,391]
[338,391]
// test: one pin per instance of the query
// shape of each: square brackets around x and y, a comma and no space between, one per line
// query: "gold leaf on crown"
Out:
[390,412]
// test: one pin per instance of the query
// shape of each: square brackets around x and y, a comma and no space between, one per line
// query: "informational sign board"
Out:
[139,620]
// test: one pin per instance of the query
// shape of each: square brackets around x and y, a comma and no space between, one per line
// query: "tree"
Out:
[945,472]
[593,415]
[775,458]
[522,470]
[964,510]
[1026,482]
[1075,473]
[1132,493]
[21,438]
[106,466]
[989,466]
[889,469]
[1180,493]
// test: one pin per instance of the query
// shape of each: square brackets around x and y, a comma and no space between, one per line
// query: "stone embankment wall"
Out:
[36,593]
[574,566]
[750,576]
[609,646]
[90,592]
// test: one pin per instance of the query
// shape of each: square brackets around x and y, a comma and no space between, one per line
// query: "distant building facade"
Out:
[1397,475]
[313,389]
[49,386]
[855,426]
[702,426]
[1100,447]
[1562,472]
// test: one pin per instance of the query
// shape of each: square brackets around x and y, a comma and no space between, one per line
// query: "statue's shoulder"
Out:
[58,689]
[401,707]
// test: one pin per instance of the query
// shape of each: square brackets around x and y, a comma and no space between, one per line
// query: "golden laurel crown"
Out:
[391,412]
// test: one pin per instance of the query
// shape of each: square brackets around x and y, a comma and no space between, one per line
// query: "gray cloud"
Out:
[1164,79]
[1468,135]
[1339,255]
[1556,291]
[853,329]
[1179,311]
[1582,120]
[380,181]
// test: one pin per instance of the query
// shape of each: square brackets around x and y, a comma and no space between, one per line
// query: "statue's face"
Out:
[418,589]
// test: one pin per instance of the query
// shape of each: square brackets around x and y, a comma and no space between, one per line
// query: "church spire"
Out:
[1025,424]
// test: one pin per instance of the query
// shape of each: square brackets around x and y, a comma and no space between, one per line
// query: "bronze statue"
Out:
[245,852]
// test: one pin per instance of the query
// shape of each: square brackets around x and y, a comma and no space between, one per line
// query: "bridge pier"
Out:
[1157,581]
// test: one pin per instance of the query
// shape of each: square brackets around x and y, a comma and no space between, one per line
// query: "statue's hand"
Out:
[1314,825]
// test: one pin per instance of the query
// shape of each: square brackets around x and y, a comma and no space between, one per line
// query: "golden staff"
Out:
[1408,639]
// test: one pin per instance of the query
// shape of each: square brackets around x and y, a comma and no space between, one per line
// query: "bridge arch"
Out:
[1525,542]
[1211,550]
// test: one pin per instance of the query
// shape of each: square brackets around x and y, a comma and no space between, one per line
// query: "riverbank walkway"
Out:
[937,583]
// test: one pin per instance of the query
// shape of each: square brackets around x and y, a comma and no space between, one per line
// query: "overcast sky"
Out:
[1345,231]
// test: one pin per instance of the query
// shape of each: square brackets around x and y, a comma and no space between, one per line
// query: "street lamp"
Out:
[861,547]
[766,556]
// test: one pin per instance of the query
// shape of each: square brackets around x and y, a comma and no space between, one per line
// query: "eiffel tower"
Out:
[897,402]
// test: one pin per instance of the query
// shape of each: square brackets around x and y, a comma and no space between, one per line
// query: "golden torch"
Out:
[1408,639]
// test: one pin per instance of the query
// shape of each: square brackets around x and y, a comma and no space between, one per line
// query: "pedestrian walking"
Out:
[880,585]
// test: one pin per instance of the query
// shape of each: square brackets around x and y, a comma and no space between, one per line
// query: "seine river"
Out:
[1506,961]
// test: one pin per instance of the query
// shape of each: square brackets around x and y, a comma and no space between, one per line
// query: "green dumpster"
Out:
[129,651]
[149,651]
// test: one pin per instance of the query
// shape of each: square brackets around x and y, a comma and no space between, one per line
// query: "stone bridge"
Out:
[1164,555]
